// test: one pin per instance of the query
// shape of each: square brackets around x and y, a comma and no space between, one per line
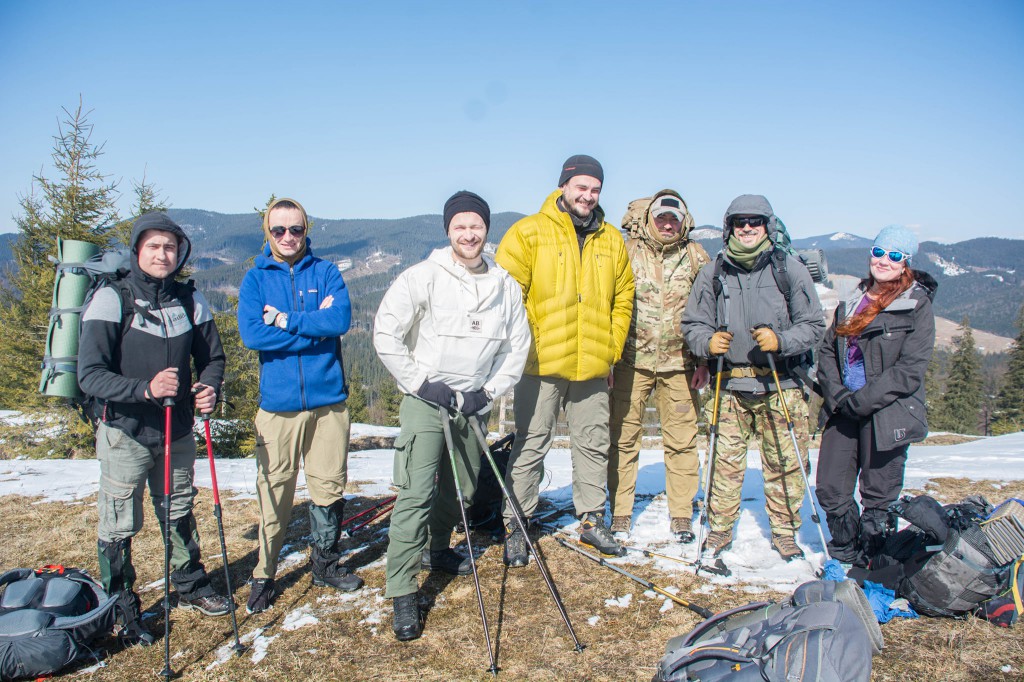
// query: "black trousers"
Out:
[847,457]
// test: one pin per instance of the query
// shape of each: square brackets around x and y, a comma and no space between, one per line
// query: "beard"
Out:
[469,253]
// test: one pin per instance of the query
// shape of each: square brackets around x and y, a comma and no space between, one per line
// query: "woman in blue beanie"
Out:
[871,367]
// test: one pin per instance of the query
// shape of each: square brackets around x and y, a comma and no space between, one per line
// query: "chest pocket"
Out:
[466,337]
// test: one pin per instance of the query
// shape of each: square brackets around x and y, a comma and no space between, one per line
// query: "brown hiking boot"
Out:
[620,524]
[787,548]
[682,528]
[718,541]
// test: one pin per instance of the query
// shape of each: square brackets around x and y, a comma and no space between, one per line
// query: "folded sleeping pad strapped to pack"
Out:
[48,619]
[72,281]
[826,632]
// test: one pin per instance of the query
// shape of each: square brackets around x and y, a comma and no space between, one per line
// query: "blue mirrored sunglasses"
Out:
[894,256]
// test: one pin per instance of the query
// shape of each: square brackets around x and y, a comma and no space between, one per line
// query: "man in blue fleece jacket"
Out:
[292,308]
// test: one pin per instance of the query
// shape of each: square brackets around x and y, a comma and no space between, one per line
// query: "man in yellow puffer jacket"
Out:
[578,289]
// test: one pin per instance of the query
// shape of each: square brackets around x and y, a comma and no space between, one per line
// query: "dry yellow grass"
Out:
[353,639]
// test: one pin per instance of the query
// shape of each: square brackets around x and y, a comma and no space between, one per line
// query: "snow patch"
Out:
[299,618]
[620,602]
[949,268]
[592,621]
[843,236]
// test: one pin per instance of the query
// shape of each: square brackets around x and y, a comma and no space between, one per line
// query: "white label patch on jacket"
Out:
[476,325]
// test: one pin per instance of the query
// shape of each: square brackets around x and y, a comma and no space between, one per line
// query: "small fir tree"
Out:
[961,403]
[1009,409]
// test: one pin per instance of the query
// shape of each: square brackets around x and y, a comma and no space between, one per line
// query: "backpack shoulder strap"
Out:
[186,294]
[698,256]
[780,270]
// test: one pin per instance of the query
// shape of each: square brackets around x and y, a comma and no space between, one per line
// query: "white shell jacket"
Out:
[438,321]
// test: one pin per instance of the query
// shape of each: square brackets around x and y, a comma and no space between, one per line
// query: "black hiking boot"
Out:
[595,534]
[327,572]
[128,621]
[262,595]
[710,560]
[517,554]
[446,560]
[211,604]
[408,623]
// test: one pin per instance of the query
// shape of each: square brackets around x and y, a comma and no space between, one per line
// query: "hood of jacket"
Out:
[158,221]
[479,290]
[649,233]
[269,238]
[749,204]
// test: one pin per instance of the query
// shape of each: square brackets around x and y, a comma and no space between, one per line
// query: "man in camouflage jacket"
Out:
[656,360]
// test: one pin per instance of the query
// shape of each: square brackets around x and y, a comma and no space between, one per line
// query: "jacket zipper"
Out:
[298,354]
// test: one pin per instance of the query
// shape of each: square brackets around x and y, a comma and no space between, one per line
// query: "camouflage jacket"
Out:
[664,276]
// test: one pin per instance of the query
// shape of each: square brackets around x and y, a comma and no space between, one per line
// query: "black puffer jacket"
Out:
[119,354]
[897,347]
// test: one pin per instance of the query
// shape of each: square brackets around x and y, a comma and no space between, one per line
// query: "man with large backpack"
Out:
[578,289]
[656,361]
[140,336]
[292,308]
[756,301]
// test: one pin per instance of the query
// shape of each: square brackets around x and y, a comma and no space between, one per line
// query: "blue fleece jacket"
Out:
[300,367]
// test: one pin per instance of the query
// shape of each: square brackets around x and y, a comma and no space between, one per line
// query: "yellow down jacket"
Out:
[579,306]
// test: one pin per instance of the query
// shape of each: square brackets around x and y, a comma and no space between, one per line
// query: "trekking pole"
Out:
[237,647]
[656,555]
[699,610]
[705,517]
[446,427]
[385,502]
[167,673]
[367,522]
[517,512]
[799,458]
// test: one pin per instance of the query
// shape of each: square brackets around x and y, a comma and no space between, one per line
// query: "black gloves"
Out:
[473,401]
[437,392]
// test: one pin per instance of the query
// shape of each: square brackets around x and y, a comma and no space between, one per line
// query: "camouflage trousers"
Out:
[742,419]
[677,405]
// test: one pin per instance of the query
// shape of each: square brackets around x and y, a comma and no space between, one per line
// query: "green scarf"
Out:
[744,256]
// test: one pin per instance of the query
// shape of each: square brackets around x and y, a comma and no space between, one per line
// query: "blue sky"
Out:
[847,116]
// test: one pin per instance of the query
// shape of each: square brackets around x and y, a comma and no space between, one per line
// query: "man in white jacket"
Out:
[453,331]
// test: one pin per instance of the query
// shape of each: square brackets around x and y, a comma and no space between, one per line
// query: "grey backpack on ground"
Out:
[826,632]
[49,619]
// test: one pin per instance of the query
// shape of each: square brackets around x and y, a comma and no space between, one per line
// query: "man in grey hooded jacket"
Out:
[746,318]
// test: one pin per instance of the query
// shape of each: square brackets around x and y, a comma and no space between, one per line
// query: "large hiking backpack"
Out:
[633,225]
[943,563]
[82,269]
[826,632]
[485,512]
[49,617]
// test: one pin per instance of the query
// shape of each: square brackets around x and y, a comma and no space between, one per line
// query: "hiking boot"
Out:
[682,528]
[262,595]
[717,542]
[620,524]
[211,604]
[594,533]
[516,552]
[446,560]
[128,621]
[327,572]
[407,624]
[787,548]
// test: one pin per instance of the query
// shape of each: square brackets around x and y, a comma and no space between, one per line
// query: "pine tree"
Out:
[1009,412]
[961,403]
[79,203]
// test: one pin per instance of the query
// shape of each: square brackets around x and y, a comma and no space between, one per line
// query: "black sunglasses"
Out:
[752,220]
[294,230]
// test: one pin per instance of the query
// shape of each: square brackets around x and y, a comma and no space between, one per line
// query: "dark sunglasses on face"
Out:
[295,230]
[753,221]
[894,256]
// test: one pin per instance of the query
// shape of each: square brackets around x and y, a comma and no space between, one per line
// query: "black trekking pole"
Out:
[799,458]
[699,610]
[517,512]
[446,427]
[167,673]
[237,647]
[709,465]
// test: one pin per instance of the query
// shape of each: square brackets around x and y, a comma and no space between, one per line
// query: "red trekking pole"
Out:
[237,647]
[167,673]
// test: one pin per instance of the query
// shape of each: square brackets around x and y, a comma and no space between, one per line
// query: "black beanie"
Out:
[465,201]
[580,164]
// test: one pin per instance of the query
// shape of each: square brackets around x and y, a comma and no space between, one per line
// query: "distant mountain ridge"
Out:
[982,277]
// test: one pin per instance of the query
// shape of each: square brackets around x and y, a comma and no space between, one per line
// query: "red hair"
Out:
[886,293]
